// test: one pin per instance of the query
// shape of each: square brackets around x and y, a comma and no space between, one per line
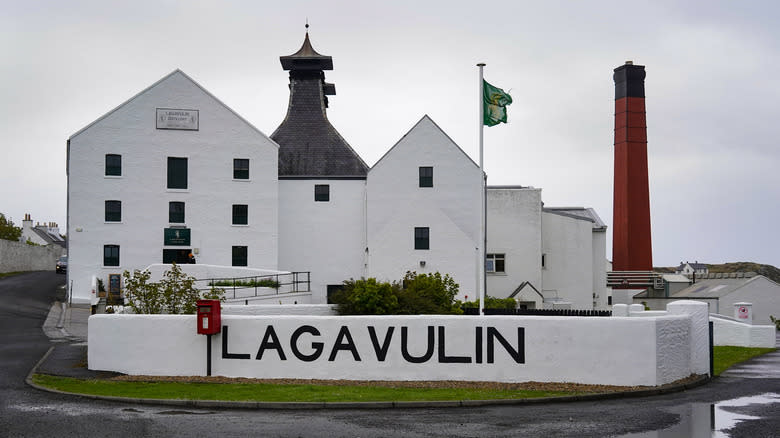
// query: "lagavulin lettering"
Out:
[306,344]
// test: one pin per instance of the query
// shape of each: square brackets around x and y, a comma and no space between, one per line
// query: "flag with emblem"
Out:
[495,101]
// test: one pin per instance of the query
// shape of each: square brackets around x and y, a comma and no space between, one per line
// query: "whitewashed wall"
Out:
[130,130]
[551,349]
[599,260]
[727,331]
[568,272]
[514,229]
[325,238]
[19,256]
[451,209]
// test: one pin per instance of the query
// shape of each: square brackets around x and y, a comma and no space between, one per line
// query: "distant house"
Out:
[692,268]
[722,290]
[41,234]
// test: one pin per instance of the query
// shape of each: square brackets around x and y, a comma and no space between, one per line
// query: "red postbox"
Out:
[209,317]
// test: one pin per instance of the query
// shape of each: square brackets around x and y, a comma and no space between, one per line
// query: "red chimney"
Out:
[631,244]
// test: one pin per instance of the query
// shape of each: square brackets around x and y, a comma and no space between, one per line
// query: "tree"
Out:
[174,294]
[7,229]
[367,297]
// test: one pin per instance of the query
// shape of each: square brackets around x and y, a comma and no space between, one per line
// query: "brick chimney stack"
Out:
[631,243]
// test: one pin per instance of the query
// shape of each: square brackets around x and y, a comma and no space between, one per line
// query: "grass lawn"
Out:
[277,393]
[724,357]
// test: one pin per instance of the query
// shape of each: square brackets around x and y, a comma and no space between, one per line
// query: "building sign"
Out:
[177,236]
[183,119]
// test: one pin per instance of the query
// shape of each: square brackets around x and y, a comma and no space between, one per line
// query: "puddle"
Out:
[703,420]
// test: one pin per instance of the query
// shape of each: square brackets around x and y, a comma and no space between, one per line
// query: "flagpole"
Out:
[483,209]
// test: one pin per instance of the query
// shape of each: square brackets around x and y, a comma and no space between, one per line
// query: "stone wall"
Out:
[18,256]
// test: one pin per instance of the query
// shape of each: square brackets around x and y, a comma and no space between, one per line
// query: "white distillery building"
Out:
[173,172]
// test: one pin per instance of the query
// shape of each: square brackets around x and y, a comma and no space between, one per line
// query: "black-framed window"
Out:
[176,212]
[113,165]
[110,255]
[240,214]
[177,173]
[113,211]
[239,256]
[240,168]
[422,237]
[495,263]
[544,261]
[426,176]
[322,192]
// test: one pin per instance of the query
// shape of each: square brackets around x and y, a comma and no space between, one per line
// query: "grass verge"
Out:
[8,274]
[263,392]
[725,357]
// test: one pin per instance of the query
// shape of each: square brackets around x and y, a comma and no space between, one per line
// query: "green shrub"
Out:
[174,294]
[492,303]
[415,294]
[776,321]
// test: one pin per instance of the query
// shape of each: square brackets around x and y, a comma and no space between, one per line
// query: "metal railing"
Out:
[541,312]
[258,285]
[635,279]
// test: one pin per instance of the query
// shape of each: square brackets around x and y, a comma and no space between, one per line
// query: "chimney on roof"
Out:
[631,243]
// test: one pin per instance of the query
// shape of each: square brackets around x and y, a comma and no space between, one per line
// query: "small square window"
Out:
[113,165]
[321,192]
[426,176]
[239,256]
[113,211]
[110,255]
[176,212]
[421,238]
[240,214]
[495,263]
[177,173]
[240,168]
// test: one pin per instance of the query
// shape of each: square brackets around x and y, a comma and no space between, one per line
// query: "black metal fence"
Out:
[259,285]
[541,312]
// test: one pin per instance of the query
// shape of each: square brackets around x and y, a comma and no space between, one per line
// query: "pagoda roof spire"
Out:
[306,58]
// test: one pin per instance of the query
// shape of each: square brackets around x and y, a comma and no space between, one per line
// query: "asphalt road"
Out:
[24,411]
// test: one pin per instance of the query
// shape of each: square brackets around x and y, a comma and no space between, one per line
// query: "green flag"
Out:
[495,101]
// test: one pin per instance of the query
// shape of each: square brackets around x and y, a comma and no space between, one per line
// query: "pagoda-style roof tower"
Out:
[309,146]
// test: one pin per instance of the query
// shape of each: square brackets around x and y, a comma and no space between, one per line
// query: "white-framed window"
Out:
[495,263]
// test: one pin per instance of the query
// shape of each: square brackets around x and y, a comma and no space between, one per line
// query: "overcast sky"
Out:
[712,94]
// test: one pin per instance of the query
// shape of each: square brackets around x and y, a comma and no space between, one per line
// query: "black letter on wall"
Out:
[317,346]
[270,340]
[225,354]
[340,345]
[405,350]
[443,358]
[518,355]
[381,351]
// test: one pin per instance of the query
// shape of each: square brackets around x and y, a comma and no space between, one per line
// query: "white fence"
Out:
[651,350]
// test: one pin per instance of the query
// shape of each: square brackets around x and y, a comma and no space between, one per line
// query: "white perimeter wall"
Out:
[568,272]
[450,209]
[325,238]
[515,229]
[651,350]
[130,131]
[727,331]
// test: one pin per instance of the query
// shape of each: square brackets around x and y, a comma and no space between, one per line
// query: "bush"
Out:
[492,303]
[776,321]
[174,294]
[416,294]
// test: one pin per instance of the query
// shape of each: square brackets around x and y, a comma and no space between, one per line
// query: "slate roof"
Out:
[309,146]
[49,238]
[715,287]
[582,213]
[694,266]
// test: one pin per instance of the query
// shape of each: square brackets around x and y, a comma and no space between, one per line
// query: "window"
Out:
[321,192]
[495,263]
[240,215]
[110,255]
[113,165]
[176,212]
[240,168]
[426,176]
[239,256]
[544,261]
[421,238]
[177,173]
[113,211]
